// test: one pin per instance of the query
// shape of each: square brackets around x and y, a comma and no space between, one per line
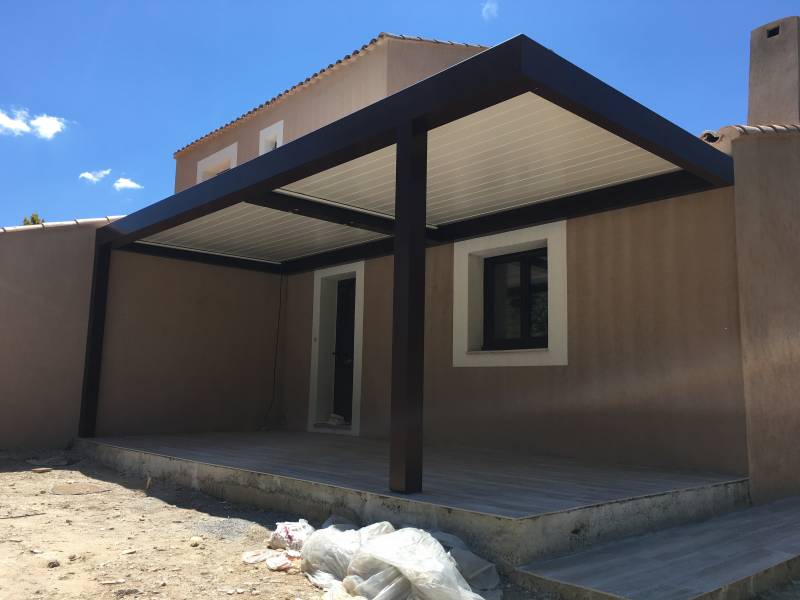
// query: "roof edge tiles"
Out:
[95,222]
[311,78]
[723,138]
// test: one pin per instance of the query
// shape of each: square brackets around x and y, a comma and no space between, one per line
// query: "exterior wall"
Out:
[296,351]
[347,88]
[188,347]
[45,280]
[654,374]
[774,82]
[768,239]
[410,62]
[387,67]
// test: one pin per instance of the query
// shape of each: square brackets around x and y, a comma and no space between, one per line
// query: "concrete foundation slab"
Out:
[512,509]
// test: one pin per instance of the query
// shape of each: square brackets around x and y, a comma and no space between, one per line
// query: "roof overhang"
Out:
[516,136]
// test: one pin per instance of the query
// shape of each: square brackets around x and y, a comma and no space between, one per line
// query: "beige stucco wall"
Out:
[654,374]
[383,69]
[188,347]
[339,92]
[45,279]
[409,61]
[295,351]
[768,238]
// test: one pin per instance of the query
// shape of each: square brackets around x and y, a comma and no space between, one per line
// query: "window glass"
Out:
[507,300]
[515,300]
[538,293]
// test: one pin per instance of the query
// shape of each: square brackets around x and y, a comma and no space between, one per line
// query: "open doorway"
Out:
[335,378]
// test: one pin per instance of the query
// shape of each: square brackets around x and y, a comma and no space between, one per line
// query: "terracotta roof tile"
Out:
[354,54]
[723,138]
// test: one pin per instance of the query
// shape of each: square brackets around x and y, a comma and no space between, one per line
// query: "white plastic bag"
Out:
[337,591]
[351,582]
[431,572]
[385,584]
[291,535]
[327,553]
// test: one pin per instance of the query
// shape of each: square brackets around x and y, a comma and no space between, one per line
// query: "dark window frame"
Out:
[525,341]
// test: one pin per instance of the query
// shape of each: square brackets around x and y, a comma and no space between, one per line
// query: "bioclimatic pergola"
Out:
[509,138]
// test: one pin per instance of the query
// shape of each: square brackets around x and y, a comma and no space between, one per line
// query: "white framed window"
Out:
[503,258]
[217,163]
[270,138]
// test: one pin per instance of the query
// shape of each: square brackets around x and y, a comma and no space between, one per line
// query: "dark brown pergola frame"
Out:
[500,73]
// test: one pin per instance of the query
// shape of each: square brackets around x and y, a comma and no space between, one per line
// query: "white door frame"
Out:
[336,273]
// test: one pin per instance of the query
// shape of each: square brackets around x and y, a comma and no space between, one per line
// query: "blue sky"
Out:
[91,86]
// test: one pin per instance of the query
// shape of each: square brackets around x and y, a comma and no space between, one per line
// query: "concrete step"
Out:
[732,556]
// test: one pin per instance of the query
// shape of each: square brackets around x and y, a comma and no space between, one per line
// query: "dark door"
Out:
[343,354]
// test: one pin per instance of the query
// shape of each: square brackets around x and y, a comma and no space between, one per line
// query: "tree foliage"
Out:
[34,219]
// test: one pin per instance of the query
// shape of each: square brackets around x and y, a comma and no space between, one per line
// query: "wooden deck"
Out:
[732,556]
[494,482]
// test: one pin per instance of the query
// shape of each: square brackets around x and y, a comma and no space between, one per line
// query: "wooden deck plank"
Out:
[687,561]
[497,482]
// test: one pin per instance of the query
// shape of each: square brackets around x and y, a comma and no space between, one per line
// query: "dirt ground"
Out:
[124,539]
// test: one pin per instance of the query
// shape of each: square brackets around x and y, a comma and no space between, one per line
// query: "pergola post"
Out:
[94,340]
[408,331]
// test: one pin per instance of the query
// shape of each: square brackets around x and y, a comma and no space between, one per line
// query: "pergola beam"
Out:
[326,211]
[340,256]
[650,189]
[658,187]
[202,257]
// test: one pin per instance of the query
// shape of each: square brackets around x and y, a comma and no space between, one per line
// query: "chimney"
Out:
[774,94]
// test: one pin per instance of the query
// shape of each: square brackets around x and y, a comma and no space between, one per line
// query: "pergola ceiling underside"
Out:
[249,231]
[518,152]
[521,151]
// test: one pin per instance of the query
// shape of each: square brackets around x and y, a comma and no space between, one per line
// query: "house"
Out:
[435,242]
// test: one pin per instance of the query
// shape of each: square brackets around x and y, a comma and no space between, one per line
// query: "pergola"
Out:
[511,137]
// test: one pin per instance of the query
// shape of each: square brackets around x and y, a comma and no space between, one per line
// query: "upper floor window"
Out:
[270,138]
[515,300]
[217,163]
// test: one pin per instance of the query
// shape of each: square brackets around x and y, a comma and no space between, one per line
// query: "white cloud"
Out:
[43,126]
[489,10]
[16,125]
[46,126]
[123,183]
[94,176]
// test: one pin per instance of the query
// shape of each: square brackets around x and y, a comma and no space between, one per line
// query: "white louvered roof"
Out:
[249,231]
[521,151]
